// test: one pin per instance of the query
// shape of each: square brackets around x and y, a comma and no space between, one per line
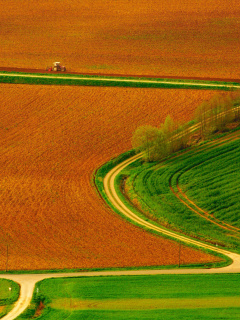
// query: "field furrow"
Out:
[52,139]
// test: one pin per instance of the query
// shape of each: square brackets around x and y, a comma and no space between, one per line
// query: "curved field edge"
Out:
[9,294]
[110,81]
[98,178]
[166,173]
[146,206]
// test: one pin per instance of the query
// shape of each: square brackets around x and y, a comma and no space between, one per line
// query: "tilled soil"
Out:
[52,139]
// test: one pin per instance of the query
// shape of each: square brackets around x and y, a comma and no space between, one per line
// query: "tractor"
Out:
[56,67]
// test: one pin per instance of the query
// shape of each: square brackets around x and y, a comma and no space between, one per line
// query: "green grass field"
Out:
[7,296]
[217,191]
[208,176]
[141,297]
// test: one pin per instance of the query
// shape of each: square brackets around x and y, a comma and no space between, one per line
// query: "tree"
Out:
[144,139]
[201,115]
[160,147]
[168,126]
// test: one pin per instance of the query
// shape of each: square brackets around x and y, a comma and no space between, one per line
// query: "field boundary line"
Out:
[100,80]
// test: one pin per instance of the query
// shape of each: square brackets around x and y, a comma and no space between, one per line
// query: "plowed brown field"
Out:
[181,38]
[51,141]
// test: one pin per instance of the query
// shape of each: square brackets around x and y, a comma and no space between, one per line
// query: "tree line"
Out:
[210,117]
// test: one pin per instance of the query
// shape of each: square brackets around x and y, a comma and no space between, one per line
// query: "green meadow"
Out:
[213,296]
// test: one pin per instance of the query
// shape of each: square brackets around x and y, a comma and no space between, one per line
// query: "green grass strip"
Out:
[87,80]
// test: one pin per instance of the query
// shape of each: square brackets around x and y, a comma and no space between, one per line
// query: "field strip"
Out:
[105,80]
[147,304]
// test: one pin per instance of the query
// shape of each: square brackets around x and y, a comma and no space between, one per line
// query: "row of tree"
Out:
[214,115]
[210,117]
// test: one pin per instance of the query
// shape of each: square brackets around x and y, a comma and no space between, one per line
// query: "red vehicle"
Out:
[57,67]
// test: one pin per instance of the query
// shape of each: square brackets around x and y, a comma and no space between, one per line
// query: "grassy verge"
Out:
[87,80]
[101,172]
[138,297]
[9,292]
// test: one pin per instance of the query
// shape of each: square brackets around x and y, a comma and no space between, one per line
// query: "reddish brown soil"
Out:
[52,139]
[198,38]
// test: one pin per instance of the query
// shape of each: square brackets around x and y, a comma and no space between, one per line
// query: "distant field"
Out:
[195,192]
[142,297]
[181,38]
[51,141]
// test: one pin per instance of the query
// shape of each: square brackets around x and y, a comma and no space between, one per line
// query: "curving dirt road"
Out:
[109,186]
[28,281]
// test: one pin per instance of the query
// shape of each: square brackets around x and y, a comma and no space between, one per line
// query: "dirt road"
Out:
[109,185]
[28,281]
